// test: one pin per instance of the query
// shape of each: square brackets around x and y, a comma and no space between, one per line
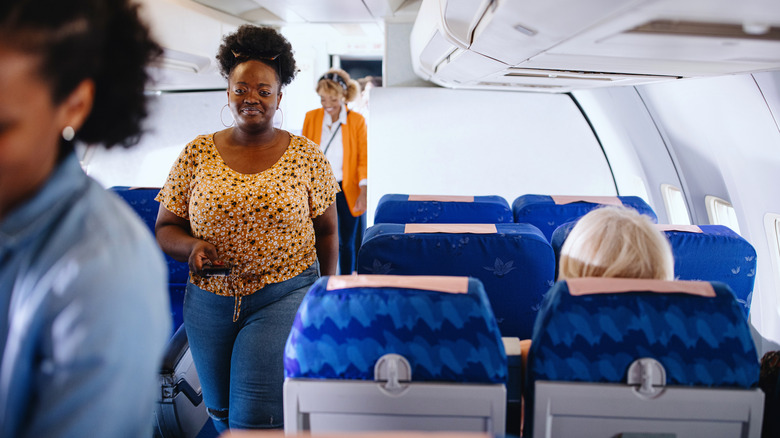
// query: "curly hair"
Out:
[337,82]
[255,43]
[101,40]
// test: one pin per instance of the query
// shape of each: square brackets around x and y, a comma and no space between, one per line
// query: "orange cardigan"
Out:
[354,137]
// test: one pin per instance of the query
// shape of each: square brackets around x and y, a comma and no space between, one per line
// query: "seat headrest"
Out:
[549,212]
[443,326]
[407,209]
[696,331]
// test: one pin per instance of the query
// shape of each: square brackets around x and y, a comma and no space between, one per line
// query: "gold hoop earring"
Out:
[282,122]
[221,119]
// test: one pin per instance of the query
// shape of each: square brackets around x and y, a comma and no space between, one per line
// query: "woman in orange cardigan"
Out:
[341,134]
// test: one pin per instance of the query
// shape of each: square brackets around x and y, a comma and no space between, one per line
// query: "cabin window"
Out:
[721,212]
[674,201]
[772,227]
[777,236]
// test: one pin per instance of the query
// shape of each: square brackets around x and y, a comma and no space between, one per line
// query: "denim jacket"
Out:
[84,313]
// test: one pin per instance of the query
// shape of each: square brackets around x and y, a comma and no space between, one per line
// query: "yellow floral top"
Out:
[260,223]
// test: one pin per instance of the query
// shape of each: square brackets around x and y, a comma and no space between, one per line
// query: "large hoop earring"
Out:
[223,120]
[281,124]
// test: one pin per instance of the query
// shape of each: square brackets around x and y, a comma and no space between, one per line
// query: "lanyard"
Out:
[331,139]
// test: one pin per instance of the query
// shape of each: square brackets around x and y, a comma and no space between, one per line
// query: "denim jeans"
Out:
[350,235]
[240,364]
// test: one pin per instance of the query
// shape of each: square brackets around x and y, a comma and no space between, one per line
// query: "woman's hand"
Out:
[361,204]
[175,238]
[202,253]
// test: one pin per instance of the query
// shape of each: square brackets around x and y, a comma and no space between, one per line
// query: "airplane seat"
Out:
[404,209]
[714,253]
[180,411]
[548,212]
[141,199]
[386,352]
[701,252]
[514,262]
[614,356]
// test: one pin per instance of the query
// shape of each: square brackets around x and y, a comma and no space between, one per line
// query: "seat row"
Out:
[608,357]
[516,261]
[508,268]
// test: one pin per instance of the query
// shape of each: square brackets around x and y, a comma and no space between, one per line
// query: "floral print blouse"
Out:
[260,223]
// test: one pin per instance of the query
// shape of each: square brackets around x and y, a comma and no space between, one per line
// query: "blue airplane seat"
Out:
[514,262]
[411,348]
[548,212]
[141,199]
[691,336]
[701,252]
[407,209]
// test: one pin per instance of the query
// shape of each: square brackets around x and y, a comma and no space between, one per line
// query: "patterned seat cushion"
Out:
[407,209]
[700,341]
[549,212]
[341,331]
[514,262]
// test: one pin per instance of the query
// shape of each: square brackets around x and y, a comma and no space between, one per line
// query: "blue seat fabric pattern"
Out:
[516,265]
[341,333]
[545,214]
[700,341]
[715,254]
[397,209]
[142,202]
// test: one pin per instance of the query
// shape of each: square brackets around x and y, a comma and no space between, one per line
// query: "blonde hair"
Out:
[347,88]
[616,242]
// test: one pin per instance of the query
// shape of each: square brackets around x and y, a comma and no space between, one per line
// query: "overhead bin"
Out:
[562,45]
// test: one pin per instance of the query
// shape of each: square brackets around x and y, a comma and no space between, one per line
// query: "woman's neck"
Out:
[266,137]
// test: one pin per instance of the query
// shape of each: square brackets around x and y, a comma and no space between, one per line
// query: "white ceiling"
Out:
[316,11]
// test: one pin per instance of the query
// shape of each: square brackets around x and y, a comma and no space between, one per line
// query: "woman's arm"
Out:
[326,237]
[174,237]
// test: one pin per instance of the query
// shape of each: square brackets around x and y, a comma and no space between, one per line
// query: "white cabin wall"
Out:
[725,140]
[638,156]
[174,120]
[459,142]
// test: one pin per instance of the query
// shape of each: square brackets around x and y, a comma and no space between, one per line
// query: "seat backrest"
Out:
[141,200]
[714,253]
[407,209]
[592,329]
[514,262]
[371,353]
[548,212]
[443,326]
[701,252]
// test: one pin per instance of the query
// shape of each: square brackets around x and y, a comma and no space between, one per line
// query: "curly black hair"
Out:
[102,40]
[257,43]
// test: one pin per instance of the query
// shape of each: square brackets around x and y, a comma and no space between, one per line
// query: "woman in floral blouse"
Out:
[257,202]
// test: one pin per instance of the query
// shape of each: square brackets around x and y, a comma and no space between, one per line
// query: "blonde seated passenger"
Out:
[614,242]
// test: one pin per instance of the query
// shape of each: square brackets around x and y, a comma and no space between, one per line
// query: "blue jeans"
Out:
[350,235]
[240,364]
